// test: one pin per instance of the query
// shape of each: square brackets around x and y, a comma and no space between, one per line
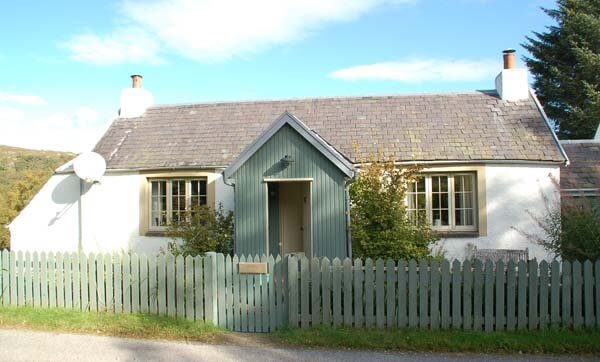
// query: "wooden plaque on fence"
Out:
[253,268]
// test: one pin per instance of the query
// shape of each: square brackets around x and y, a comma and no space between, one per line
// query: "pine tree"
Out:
[565,63]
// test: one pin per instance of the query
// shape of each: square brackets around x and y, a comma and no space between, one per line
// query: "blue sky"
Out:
[64,63]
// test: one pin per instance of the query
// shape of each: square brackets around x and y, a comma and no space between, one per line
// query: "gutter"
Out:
[541,110]
[347,195]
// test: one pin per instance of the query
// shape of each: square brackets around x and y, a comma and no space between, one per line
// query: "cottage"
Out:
[284,167]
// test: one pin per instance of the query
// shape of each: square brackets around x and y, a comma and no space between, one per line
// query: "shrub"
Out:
[580,235]
[201,230]
[572,230]
[380,225]
[574,233]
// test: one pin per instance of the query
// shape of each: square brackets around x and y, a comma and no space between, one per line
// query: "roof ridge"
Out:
[365,96]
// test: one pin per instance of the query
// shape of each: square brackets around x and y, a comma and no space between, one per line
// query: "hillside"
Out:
[22,174]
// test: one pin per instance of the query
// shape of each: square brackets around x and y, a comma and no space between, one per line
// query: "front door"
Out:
[292,213]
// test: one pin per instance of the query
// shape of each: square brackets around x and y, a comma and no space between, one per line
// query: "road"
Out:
[22,345]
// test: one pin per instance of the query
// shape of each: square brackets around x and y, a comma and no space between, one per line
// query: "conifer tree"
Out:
[565,63]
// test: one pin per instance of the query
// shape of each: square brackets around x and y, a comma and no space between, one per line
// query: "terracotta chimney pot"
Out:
[137,81]
[509,58]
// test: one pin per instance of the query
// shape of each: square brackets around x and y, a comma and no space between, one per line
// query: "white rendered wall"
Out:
[110,216]
[50,221]
[510,192]
[110,213]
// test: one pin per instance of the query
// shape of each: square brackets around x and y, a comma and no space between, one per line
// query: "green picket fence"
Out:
[207,289]
[302,293]
[433,295]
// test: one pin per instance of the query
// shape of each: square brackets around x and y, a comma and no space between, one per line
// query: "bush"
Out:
[380,225]
[574,233]
[580,236]
[202,229]
[572,230]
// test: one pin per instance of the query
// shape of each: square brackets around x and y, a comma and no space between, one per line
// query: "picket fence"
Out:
[299,292]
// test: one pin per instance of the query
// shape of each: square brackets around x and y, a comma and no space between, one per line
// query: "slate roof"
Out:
[426,127]
[583,171]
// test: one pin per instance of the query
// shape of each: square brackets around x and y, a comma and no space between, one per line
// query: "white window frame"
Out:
[451,227]
[169,194]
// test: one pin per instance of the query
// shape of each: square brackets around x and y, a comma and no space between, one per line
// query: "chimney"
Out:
[511,83]
[135,100]
[508,55]
[137,81]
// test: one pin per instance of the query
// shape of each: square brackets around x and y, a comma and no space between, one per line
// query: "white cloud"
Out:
[422,70]
[210,30]
[74,130]
[24,99]
[10,114]
[124,45]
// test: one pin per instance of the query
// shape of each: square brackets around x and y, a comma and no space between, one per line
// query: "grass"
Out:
[124,325]
[156,327]
[540,342]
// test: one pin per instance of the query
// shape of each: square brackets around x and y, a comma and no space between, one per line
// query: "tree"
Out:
[201,230]
[17,198]
[565,63]
[380,224]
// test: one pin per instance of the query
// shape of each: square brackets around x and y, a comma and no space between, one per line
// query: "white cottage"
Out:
[283,166]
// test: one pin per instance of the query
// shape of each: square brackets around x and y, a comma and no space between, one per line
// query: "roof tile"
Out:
[465,126]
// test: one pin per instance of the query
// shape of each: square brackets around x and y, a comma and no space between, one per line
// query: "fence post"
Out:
[210,288]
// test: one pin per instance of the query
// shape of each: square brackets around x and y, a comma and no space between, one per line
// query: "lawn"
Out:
[125,325]
[156,327]
[542,342]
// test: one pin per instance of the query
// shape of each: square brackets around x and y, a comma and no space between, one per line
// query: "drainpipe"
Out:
[234,223]
[348,230]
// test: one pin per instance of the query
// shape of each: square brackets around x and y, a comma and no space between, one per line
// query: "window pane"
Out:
[469,217]
[464,183]
[158,203]
[464,200]
[177,200]
[440,198]
[421,202]
[412,201]
[445,218]
[198,196]
[443,184]
[444,201]
[416,197]
[421,185]
[459,217]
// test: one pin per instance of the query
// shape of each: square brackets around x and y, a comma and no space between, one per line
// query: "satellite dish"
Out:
[89,166]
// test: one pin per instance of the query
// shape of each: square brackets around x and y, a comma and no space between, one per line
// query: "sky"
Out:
[63,64]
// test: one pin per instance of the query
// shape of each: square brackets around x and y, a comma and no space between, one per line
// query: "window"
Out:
[446,201]
[170,198]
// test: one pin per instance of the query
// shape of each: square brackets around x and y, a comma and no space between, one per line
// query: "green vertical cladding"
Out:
[328,197]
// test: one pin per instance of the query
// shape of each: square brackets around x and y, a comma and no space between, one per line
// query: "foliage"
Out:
[380,225]
[574,233]
[202,229]
[565,63]
[572,230]
[22,173]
